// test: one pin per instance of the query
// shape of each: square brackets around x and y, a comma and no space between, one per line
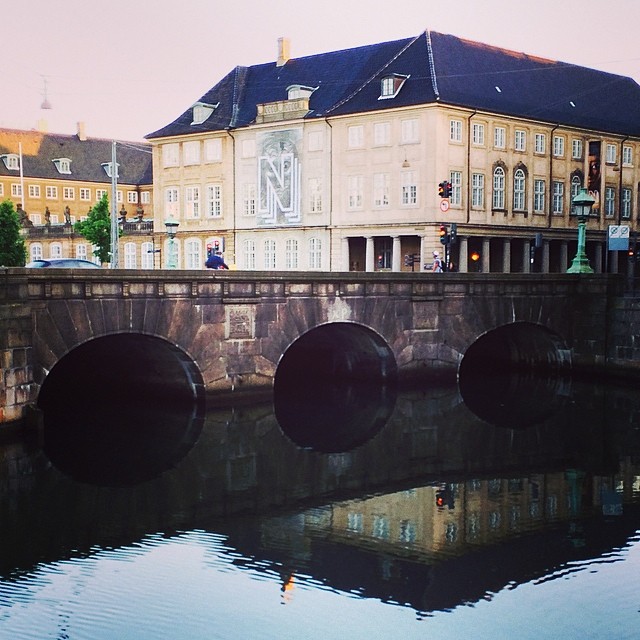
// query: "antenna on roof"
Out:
[45,101]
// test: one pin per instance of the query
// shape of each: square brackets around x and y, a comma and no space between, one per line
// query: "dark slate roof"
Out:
[441,68]
[87,156]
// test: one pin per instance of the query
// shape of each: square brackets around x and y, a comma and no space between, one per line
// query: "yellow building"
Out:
[334,161]
[54,180]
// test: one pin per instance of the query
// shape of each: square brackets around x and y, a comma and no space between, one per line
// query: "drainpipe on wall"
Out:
[331,198]
[233,202]
[475,111]
[551,179]
[620,181]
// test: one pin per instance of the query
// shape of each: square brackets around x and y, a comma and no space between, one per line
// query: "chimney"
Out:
[284,44]
[82,134]
[42,126]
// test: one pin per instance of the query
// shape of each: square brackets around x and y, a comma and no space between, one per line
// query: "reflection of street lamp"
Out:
[475,256]
[172,227]
[582,204]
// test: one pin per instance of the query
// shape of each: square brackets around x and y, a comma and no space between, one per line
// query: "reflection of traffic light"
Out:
[444,235]
[444,497]
[380,263]
[216,245]
[408,260]
[442,190]
[209,249]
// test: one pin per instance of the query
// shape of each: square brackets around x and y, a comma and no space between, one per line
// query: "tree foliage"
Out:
[97,229]
[13,252]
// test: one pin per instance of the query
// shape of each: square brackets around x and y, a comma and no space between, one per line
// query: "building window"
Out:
[1,189]
[576,149]
[249,254]
[214,200]
[539,189]
[477,190]
[391,85]
[356,136]
[409,188]
[407,533]
[201,111]
[213,150]
[192,201]
[558,197]
[248,148]
[291,254]
[11,161]
[499,137]
[85,194]
[315,195]
[576,185]
[520,142]
[130,261]
[478,134]
[410,131]
[249,199]
[455,130]
[51,193]
[315,253]
[147,255]
[381,134]
[16,191]
[55,250]
[609,202]
[627,155]
[171,202]
[100,193]
[132,197]
[381,528]
[145,197]
[611,154]
[626,203]
[36,251]
[63,165]
[540,143]
[381,182]
[193,253]
[68,193]
[34,190]
[558,146]
[455,178]
[355,522]
[191,152]
[170,154]
[519,190]
[81,251]
[269,255]
[355,192]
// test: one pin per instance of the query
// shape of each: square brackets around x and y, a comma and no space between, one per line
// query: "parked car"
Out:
[63,263]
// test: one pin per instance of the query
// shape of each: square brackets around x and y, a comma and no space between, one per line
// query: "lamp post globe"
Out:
[582,204]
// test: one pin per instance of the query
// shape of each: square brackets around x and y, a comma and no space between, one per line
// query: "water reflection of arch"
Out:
[516,374]
[148,418]
[335,387]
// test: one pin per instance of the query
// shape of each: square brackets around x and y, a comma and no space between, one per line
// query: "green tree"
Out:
[97,229]
[13,252]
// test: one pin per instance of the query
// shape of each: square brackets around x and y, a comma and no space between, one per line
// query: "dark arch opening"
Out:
[121,409]
[335,387]
[516,375]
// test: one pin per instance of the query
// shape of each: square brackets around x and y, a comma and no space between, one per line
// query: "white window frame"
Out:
[627,155]
[410,131]
[409,188]
[558,146]
[291,254]
[611,153]
[172,201]
[540,143]
[519,190]
[145,197]
[132,197]
[16,190]
[193,253]
[381,134]
[539,195]
[315,195]
[34,190]
[381,190]
[249,254]
[577,149]
[354,192]
[51,192]
[191,152]
[213,150]
[35,251]
[478,134]
[55,250]
[520,140]
[477,190]
[355,136]
[100,193]
[455,130]
[269,256]
[80,252]
[499,137]
[249,199]
[85,194]
[170,155]
[455,178]
[609,202]
[627,196]
[192,201]
[315,140]
[558,197]
[214,200]
[315,253]
[130,255]
[68,193]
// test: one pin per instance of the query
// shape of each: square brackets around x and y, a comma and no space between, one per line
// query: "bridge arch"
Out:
[138,365]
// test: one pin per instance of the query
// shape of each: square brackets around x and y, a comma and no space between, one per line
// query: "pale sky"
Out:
[128,67]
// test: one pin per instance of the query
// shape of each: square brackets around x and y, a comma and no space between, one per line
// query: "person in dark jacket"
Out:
[215,261]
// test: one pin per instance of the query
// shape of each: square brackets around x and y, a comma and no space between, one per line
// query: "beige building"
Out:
[54,180]
[334,161]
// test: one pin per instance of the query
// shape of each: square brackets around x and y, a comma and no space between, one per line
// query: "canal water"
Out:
[503,508]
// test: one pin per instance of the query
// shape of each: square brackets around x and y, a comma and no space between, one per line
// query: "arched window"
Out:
[36,251]
[519,189]
[130,261]
[269,254]
[81,251]
[55,250]
[315,253]
[249,254]
[193,254]
[498,188]
[291,254]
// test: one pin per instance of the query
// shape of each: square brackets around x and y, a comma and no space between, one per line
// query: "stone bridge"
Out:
[193,333]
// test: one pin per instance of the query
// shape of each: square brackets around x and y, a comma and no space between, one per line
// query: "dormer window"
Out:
[296,91]
[11,161]
[63,165]
[107,166]
[390,86]
[202,110]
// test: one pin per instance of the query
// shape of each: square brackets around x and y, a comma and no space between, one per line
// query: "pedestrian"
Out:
[437,263]
[215,261]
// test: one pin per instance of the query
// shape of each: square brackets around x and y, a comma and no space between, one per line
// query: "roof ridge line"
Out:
[237,89]
[373,76]
[432,67]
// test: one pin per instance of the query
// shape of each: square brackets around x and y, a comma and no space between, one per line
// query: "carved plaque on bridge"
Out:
[240,323]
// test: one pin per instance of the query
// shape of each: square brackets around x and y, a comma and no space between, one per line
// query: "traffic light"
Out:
[408,260]
[454,232]
[209,249]
[216,245]
[442,190]
[447,189]
[444,234]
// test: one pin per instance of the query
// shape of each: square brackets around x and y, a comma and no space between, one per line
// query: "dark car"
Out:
[63,263]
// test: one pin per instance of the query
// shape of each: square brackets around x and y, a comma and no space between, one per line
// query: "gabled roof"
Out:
[439,68]
[39,150]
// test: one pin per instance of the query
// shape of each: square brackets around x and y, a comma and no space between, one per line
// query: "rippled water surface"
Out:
[376,514]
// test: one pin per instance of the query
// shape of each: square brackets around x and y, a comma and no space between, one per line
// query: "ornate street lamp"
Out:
[171,225]
[582,204]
